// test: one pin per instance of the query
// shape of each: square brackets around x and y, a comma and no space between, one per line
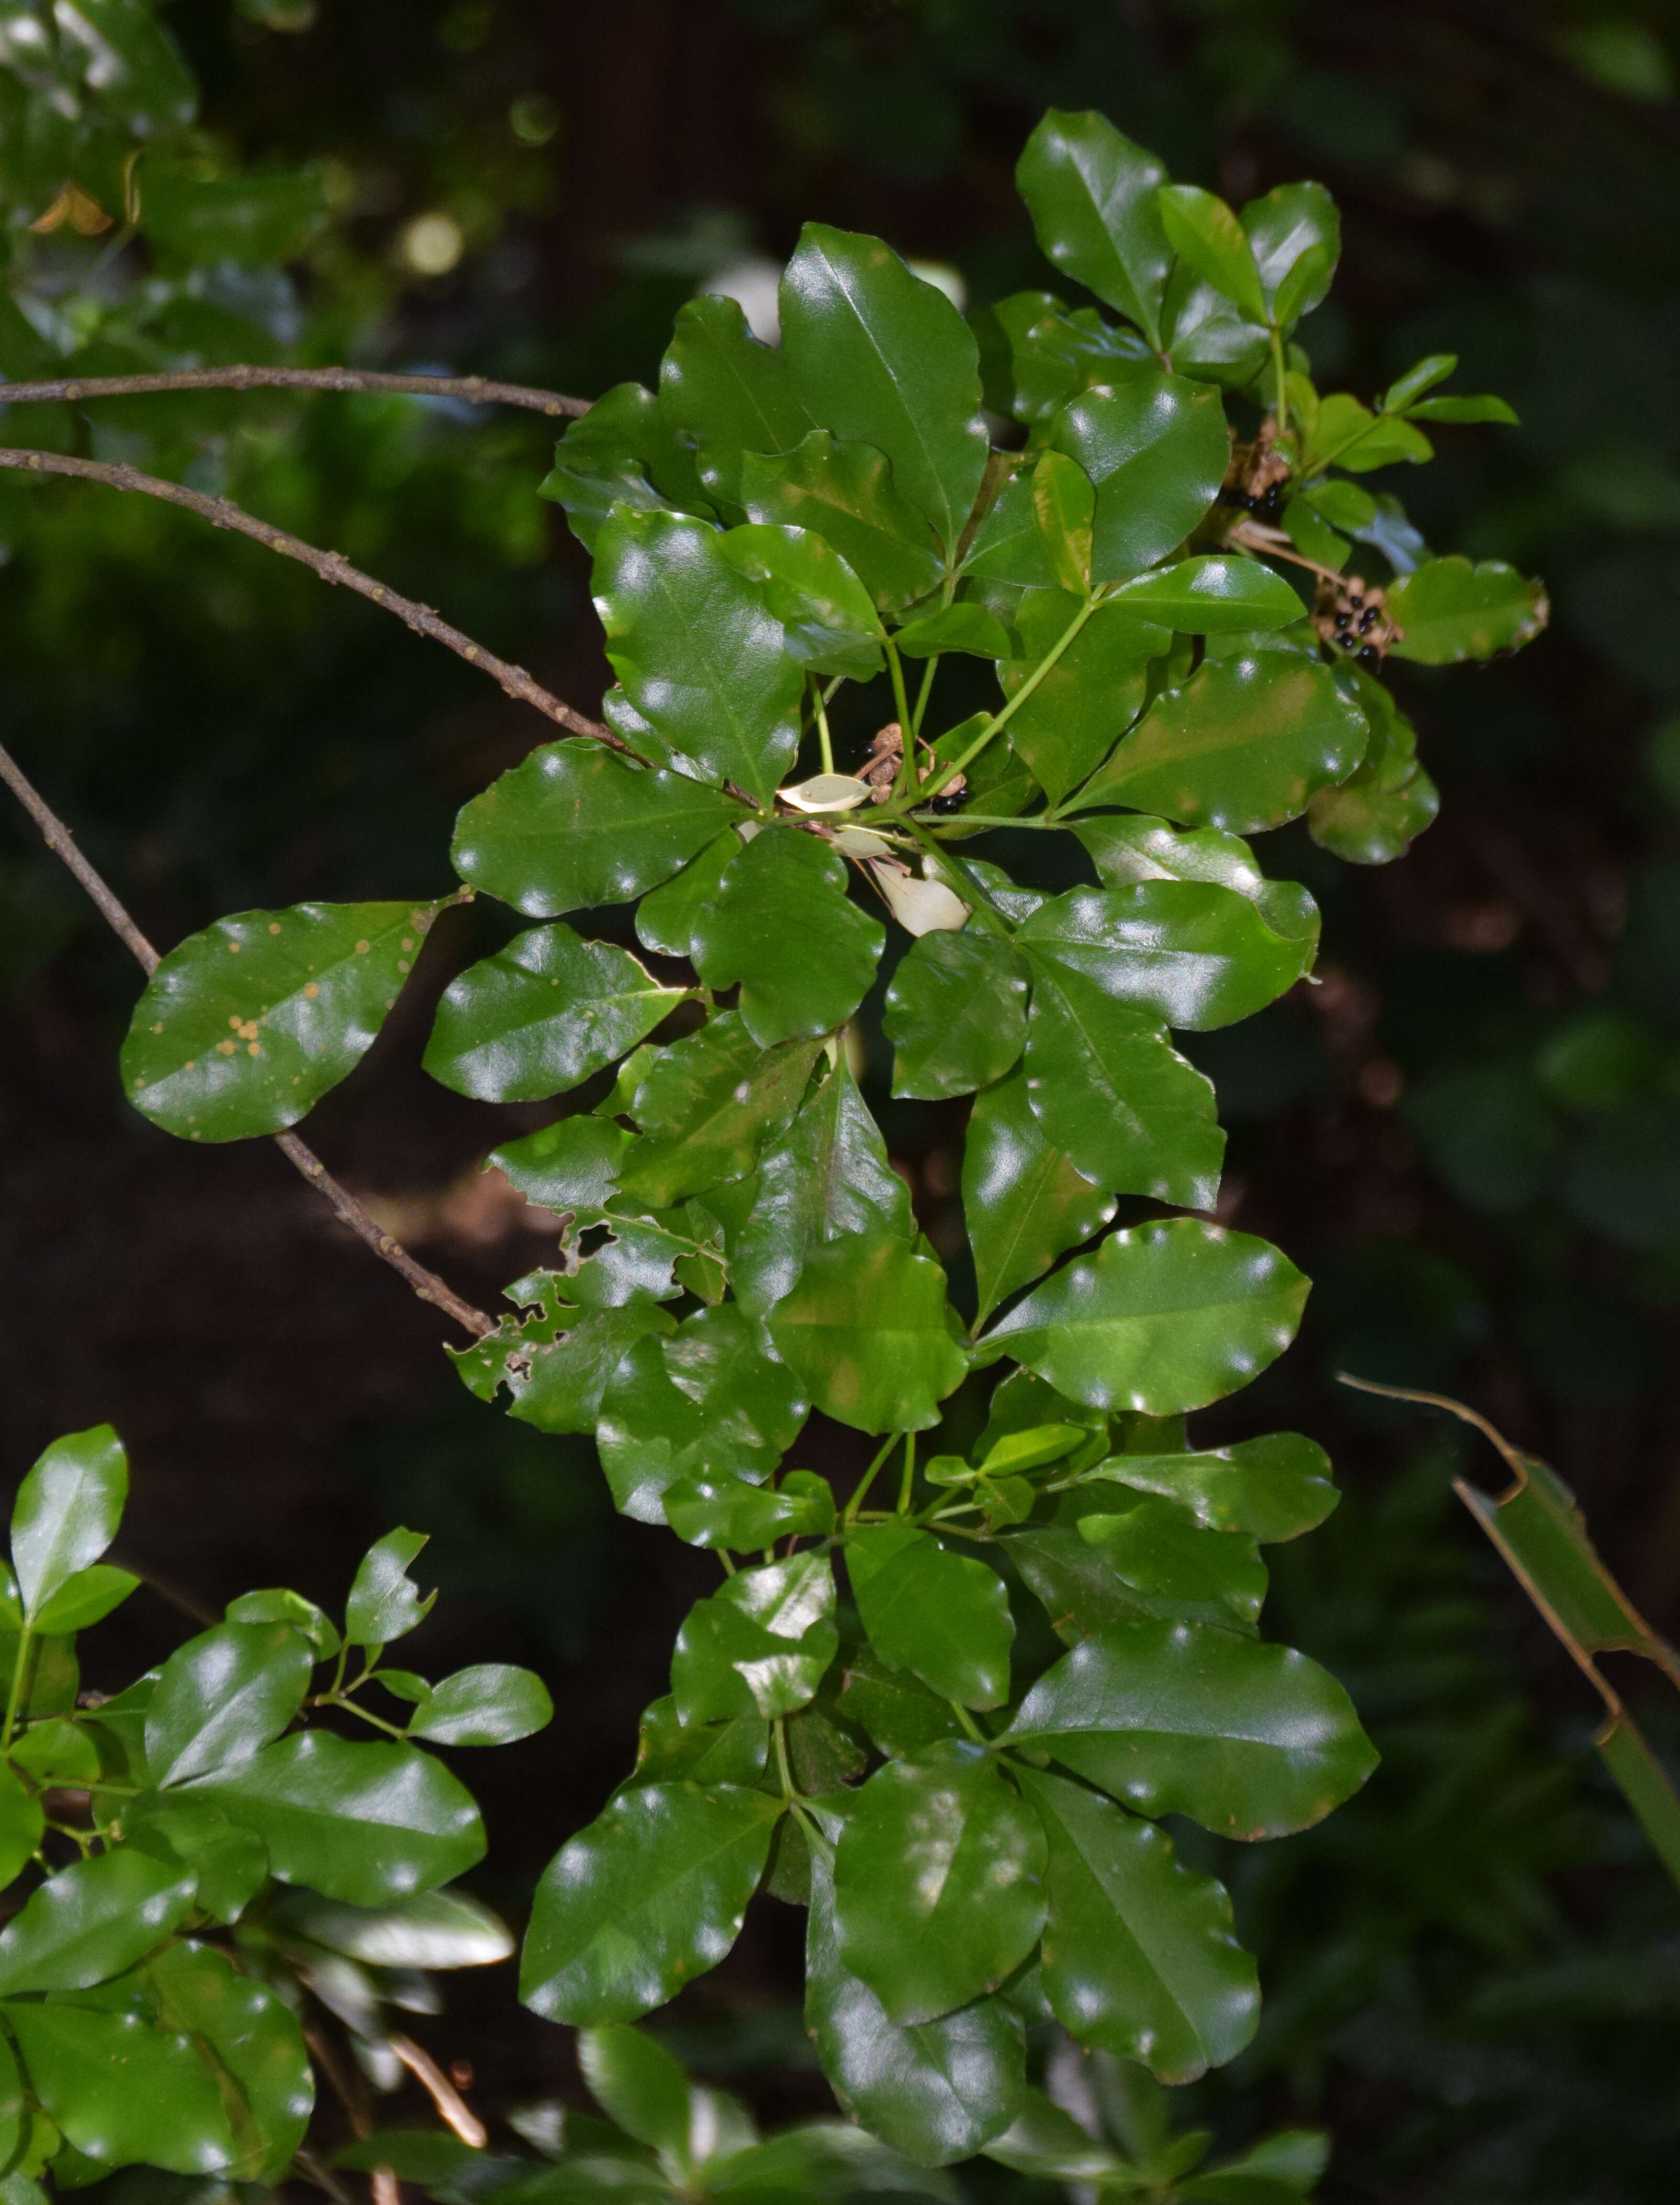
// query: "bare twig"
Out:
[474,388]
[331,567]
[426,1284]
[443,2095]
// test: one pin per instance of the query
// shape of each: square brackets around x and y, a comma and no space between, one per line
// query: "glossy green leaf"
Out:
[967,628]
[650,1895]
[276,1604]
[1211,594]
[558,1362]
[1126,848]
[868,1331]
[575,825]
[438,1929]
[384,1604]
[936,2091]
[22,1821]
[1159,1551]
[491,1704]
[1375,815]
[542,1015]
[1450,610]
[90,1921]
[781,926]
[939,1883]
[956,1014]
[627,451]
[1186,952]
[706,1105]
[1078,1591]
[847,493]
[1063,505]
[67,1513]
[670,1751]
[1156,445]
[223,1696]
[1084,704]
[1112,1094]
[1044,2141]
[1037,355]
[123,2092]
[664,920]
[56,1751]
[1295,235]
[1140,1956]
[828,617]
[944,1617]
[1242,745]
[1203,231]
[820,2159]
[695,648]
[727,392]
[243,1027]
[1092,197]
[882,358]
[1162,1318]
[86,1598]
[1009,545]
[1252,1741]
[1273,1488]
[571,1165]
[230,1864]
[639,2084]
[760,1644]
[252,2046]
[1025,1202]
[1205,336]
[362,1823]
[725,1511]
[827,1177]
[1466,408]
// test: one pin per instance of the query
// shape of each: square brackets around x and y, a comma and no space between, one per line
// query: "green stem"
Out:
[1280,370]
[979,819]
[824,741]
[14,1698]
[868,1479]
[985,910]
[906,1489]
[922,694]
[906,780]
[789,1790]
[354,1707]
[1001,719]
[969,1724]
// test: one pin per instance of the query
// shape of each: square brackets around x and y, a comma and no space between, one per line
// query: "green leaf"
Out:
[1092,197]
[936,2091]
[1162,1318]
[384,1604]
[67,1513]
[541,1016]
[724,1512]
[1406,390]
[845,493]
[56,1751]
[1063,505]
[967,628]
[708,1105]
[944,1617]
[571,1165]
[438,1929]
[1112,1094]
[277,1605]
[1159,1551]
[489,1704]
[760,1645]
[362,1823]
[625,451]
[868,1331]
[1083,706]
[1296,237]
[1481,408]
[669,1751]
[939,1883]
[90,1921]
[1024,1200]
[86,1598]
[223,1696]
[574,825]
[1044,2141]
[252,2049]
[1251,1741]
[1273,1488]
[719,386]
[1203,335]
[639,2084]
[882,358]
[123,2092]
[1140,1957]
[1210,595]
[665,918]
[1156,446]
[1193,954]
[1078,1590]
[249,220]
[827,1176]
[230,1864]
[782,926]
[828,617]
[244,1026]
[1242,745]
[20,1825]
[650,1895]
[1450,610]
[1203,231]
[697,649]
[1129,849]
[956,1014]
[558,1363]
[1036,354]
[820,2159]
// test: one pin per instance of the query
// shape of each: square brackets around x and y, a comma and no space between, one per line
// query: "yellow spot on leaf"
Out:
[224,1048]
[253,1048]
[159,1028]
[362,949]
[235,1021]
[402,964]
[234,949]
[274,926]
[311,989]
[408,942]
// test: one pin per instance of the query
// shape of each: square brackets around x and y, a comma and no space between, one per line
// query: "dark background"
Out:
[1469,1135]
